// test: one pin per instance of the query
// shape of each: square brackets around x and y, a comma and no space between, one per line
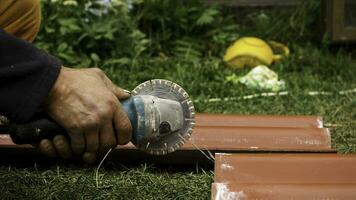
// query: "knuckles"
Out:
[59,141]
[89,123]
[45,145]
[92,122]
[97,71]
[98,114]
[106,108]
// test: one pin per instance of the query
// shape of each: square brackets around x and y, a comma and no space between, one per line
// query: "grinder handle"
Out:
[46,128]
[33,132]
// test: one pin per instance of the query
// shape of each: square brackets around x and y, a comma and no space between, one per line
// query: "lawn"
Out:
[312,65]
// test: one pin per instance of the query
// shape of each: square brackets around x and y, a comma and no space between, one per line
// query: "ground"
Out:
[310,67]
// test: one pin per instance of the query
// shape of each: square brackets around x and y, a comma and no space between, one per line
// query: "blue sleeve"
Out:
[26,76]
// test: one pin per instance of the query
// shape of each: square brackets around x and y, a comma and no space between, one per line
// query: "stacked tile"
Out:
[235,133]
[311,172]
[284,176]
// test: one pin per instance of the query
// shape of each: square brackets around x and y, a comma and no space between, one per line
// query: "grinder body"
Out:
[152,117]
[161,123]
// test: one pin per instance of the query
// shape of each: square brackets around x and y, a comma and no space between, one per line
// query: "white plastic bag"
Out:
[260,77]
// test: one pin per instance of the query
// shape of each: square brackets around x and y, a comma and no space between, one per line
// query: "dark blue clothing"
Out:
[26,76]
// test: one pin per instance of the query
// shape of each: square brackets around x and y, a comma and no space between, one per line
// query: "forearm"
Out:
[26,76]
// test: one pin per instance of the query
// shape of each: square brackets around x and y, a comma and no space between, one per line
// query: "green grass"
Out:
[311,67]
[73,182]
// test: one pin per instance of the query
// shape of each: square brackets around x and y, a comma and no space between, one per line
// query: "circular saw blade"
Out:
[168,90]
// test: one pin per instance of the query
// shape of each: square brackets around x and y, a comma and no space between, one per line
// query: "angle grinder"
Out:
[160,111]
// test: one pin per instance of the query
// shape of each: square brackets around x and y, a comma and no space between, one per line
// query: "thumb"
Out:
[120,93]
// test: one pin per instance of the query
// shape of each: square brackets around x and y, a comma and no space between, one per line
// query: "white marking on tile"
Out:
[227,167]
[223,193]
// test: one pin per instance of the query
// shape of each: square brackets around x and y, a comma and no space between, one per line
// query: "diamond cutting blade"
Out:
[165,89]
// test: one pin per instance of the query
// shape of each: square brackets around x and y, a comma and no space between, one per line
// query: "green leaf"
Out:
[207,16]
[62,47]
[121,61]
[94,57]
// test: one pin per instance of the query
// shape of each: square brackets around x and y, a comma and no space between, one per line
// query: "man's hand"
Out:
[86,103]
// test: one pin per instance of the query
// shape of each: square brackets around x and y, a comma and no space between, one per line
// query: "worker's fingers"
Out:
[92,140]
[89,157]
[77,142]
[122,126]
[120,93]
[107,137]
[62,146]
[46,147]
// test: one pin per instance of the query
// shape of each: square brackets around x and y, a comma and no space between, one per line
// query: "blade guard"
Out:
[156,105]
